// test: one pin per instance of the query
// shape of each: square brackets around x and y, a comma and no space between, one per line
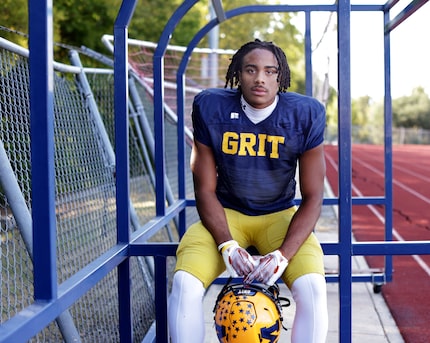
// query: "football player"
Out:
[249,139]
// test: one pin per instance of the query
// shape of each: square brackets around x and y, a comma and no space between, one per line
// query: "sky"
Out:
[410,51]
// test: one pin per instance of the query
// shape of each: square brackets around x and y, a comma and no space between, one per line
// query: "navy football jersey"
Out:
[256,163]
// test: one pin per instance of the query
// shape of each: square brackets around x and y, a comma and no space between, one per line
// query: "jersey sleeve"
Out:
[315,134]
[200,127]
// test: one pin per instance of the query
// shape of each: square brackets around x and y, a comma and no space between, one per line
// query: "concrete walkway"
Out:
[372,321]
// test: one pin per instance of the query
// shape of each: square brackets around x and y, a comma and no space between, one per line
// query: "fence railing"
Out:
[85,194]
[85,188]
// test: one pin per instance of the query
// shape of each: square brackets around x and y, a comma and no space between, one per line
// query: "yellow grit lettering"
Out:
[250,144]
[262,144]
[230,143]
[247,144]
[275,140]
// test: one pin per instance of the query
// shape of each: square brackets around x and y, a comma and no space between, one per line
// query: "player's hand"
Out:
[269,270]
[237,260]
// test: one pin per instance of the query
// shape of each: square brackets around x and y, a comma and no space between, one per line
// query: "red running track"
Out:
[408,294]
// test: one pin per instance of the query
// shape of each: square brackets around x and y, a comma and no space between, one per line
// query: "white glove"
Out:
[237,260]
[269,270]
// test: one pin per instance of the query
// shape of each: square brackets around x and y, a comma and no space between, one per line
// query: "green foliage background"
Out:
[83,23]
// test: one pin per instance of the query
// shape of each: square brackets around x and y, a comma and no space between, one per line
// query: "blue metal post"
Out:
[42,149]
[160,190]
[181,148]
[158,64]
[122,162]
[308,53]
[345,173]
[388,149]
[161,299]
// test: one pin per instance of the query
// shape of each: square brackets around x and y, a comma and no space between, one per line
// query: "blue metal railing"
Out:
[52,299]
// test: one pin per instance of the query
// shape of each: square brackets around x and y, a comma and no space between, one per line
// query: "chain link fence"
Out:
[85,193]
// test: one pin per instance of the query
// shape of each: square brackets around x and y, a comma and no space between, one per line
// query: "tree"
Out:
[151,17]
[412,111]
[332,108]
[275,27]
[80,22]
[14,16]
[360,109]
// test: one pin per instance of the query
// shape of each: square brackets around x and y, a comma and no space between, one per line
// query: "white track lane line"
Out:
[398,184]
[417,258]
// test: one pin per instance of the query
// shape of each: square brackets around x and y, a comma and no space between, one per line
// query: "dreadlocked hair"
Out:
[235,67]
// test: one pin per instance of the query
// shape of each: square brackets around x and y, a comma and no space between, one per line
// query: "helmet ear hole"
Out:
[248,314]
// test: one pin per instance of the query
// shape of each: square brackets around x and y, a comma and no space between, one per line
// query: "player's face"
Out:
[259,78]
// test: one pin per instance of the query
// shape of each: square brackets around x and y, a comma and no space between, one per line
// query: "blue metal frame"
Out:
[388,158]
[52,299]
[42,151]
[345,169]
[122,163]
[158,62]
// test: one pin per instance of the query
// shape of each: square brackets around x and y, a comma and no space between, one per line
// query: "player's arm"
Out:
[311,177]
[312,173]
[237,260]
[209,208]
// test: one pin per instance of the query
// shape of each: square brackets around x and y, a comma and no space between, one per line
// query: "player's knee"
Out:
[187,287]
[185,309]
[310,291]
[311,320]
[310,288]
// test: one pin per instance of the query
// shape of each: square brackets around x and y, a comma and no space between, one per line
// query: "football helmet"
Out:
[248,313]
